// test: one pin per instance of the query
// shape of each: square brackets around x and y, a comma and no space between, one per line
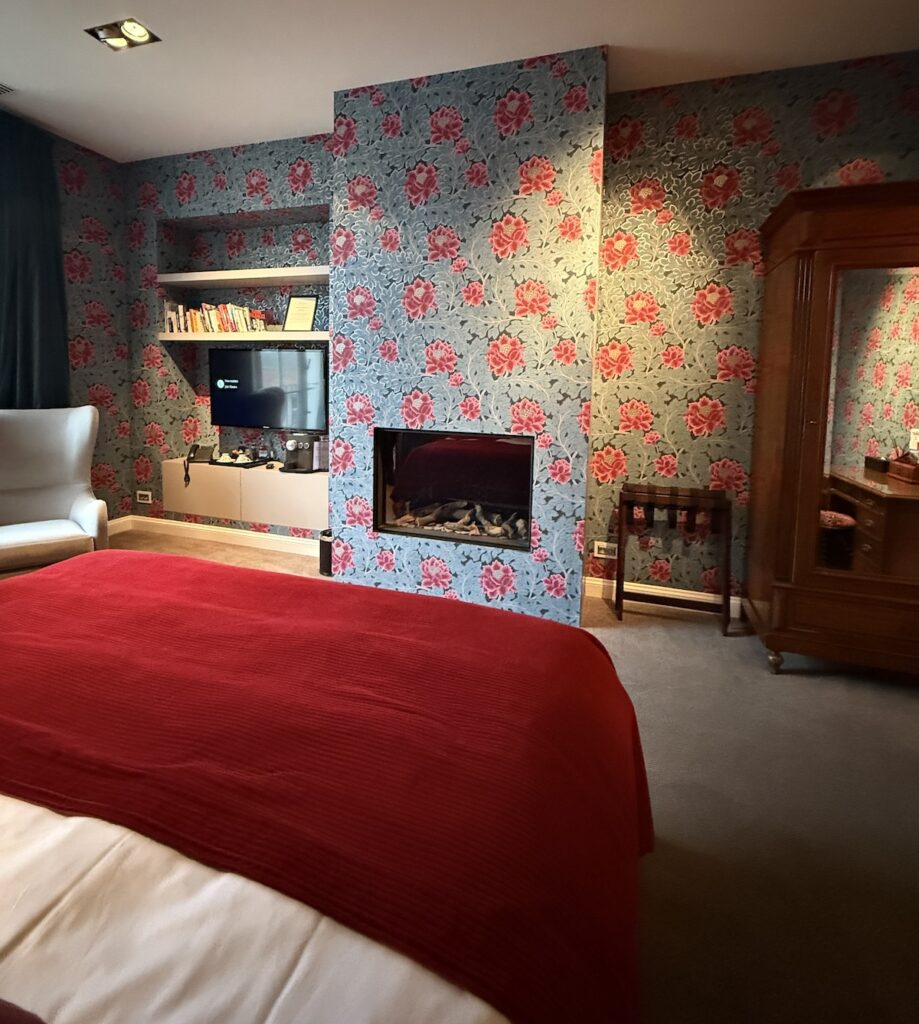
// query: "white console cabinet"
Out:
[256,495]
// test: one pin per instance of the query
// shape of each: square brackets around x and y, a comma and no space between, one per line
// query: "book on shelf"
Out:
[225,318]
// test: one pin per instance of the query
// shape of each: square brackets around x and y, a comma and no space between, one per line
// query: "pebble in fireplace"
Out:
[454,486]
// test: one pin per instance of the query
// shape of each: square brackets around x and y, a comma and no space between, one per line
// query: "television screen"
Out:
[281,388]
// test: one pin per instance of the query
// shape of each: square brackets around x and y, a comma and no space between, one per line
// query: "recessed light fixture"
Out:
[123,35]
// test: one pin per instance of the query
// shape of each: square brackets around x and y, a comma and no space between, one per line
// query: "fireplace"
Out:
[453,486]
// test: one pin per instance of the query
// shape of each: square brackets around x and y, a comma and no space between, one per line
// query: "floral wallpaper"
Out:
[877,360]
[690,174]
[92,227]
[465,226]
[246,206]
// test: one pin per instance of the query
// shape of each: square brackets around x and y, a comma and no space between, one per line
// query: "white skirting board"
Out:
[221,534]
[595,587]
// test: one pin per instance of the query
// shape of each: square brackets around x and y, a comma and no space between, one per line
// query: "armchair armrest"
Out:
[91,515]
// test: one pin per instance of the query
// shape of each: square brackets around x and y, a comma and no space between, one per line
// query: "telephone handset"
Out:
[197,453]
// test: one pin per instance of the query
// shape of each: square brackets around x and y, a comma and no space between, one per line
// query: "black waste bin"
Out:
[325,553]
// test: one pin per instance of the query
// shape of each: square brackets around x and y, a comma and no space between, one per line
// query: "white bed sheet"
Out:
[99,925]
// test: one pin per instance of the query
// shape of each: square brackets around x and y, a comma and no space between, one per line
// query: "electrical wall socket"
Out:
[604,549]
[144,497]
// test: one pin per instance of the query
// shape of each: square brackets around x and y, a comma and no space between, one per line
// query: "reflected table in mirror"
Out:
[886,514]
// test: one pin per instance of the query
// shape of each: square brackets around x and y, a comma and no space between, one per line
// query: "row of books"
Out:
[225,318]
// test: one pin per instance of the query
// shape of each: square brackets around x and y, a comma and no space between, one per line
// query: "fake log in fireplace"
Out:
[474,488]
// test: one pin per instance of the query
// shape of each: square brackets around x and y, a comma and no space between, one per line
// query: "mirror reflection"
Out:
[869,522]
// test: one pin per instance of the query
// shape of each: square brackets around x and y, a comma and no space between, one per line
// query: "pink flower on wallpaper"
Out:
[77,266]
[301,240]
[719,186]
[185,188]
[742,246]
[727,475]
[342,245]
[477,174]
[235,243]
[540,555]
[618,251]
[887,411]
[910,415]
[152,357]
[220,181]
[391,126]
[635,415]
[390,240]
[575,100]
[608,464]
[93,231]
[658,329]
[140,393]
[704,416]
[80,351]
[613,359]
[470,408]
[143,469]
[361,302]
[788,177]
[95,314]
[268,236]
[595,166]
[386,560]
[435,574]
[565,351]
[712,303]
[904,377]
[560,68]
[527,417]
[343,137]
[421,183]
[497,580]
[531,297]
[584,418]
[569,228]
[300,175]
[560,471]
[555,585]
[172,391]
[509,235]
[72,177]
[879,374]
[474,293]
[911,294]
[623,138]
[342,556]
[419,298]
[834,114]
[118,272]
[443,243]
[544,441]
[256,183]
[358,512]
[136,233]
[860,172]
[752,125]
[191,429]
[439,357]
[866,416]
[459,265]
[388,350]
[456,380]
[343,353]
[641,308]
[874,340]
[512,112]
[680,244]
[536,175]
[148,195]
[504,355]
[417,409]
[341,456]
[735,363]
[590,294]
[687,127]
[446,125]
[138,313]
[666,465]
[154,435]
[362,192]
[359,408]
[647,194]
[103,475]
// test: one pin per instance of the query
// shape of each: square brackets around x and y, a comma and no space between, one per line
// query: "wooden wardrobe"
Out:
[859,603]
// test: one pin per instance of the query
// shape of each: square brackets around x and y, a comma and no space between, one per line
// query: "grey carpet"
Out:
[785,883]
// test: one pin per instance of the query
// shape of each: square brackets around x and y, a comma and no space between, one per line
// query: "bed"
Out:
[234,795]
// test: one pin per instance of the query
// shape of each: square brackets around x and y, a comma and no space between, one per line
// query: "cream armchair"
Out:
[47,508]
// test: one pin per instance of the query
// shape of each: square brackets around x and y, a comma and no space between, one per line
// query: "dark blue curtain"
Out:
[34,370]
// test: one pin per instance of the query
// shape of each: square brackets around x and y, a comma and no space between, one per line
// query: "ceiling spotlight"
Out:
[123,35]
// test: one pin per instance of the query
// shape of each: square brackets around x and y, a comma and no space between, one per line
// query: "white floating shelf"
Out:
[265,337]
[268,276]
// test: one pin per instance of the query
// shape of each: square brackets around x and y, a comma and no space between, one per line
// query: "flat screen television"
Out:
[278,388]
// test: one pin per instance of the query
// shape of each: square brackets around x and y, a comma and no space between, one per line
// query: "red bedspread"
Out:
[462,784]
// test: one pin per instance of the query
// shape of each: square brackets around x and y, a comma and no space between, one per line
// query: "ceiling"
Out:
[235,71]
